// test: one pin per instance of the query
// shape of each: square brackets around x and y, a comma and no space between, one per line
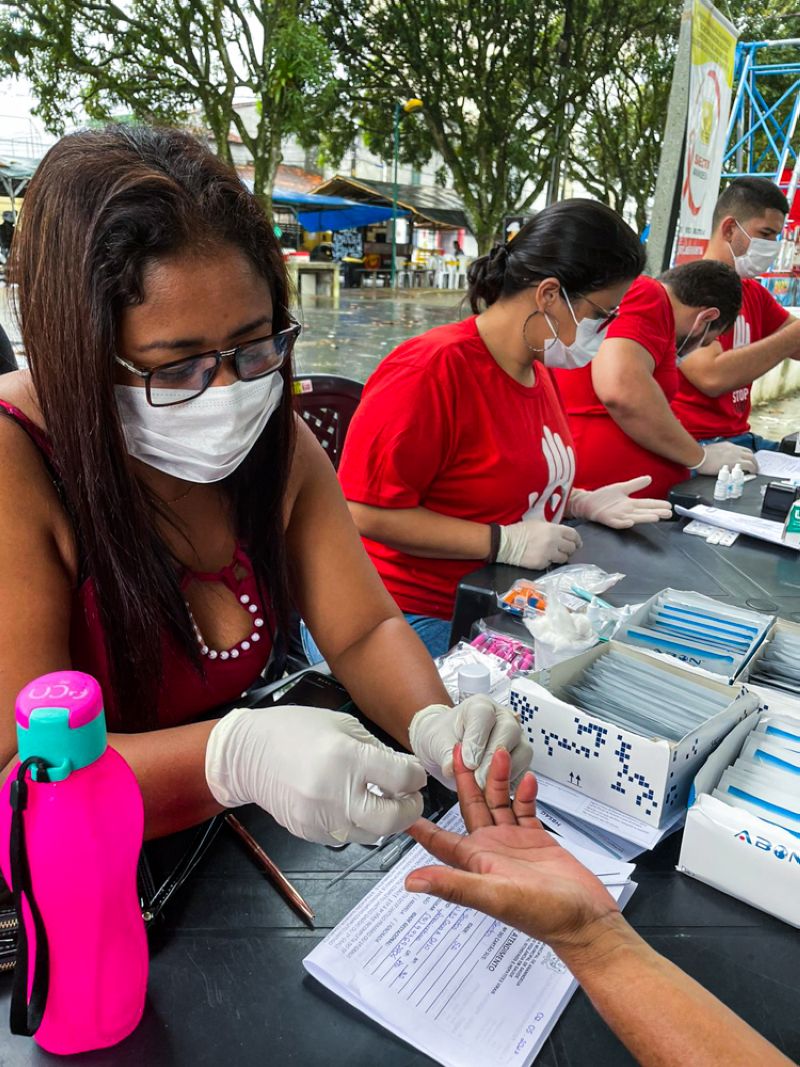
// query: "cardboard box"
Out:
[775,700]
[703,603]
[737,852]
[648,778]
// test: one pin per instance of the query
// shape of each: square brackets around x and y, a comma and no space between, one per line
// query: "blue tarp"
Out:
[345,218]
[319,213]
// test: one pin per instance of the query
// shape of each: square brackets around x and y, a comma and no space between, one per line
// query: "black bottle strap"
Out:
[26,1016]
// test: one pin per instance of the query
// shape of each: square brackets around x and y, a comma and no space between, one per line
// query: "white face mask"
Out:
[758,258]
[582,350]
[693,342]
[204,439]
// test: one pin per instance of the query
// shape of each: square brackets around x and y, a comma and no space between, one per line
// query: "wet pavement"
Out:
[777,418]
[352,339]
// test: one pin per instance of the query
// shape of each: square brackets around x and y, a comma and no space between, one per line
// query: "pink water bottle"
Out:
[71,826]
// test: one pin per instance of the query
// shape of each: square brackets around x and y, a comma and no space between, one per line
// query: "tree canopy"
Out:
[495,79]
[161,60]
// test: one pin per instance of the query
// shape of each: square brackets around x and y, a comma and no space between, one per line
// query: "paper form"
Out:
[585,835]
[778,465]
[464,988]
[752,525]
[593,813]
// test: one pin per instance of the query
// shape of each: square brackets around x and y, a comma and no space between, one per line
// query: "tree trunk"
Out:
[267,154]
[487,232]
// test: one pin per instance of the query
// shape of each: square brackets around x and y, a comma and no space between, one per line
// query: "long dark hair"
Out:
[102,205]
[583,243]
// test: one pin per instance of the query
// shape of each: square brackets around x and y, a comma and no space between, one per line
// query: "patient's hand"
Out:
[509,866]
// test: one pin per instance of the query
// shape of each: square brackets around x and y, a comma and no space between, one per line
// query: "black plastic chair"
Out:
[327,403]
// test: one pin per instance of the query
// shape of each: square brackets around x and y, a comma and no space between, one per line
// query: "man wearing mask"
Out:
[713,398]
[618,404]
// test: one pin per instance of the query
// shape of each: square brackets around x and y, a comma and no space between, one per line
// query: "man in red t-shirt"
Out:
[618,405]
[713,398]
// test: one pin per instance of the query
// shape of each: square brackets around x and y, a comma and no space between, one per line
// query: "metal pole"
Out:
[397,110]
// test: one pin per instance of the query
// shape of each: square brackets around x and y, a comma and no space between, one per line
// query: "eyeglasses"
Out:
[188,378]
[608,316]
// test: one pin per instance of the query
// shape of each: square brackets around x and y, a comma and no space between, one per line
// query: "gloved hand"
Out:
[722,452]
[481,725]
[309,768]
[536,544]
[613,506]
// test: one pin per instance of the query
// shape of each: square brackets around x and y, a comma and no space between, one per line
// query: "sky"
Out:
[21,133]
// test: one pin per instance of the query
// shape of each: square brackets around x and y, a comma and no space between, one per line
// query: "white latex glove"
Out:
[722,452]
[536,544]
[481,725]
[613,506]
[309,768]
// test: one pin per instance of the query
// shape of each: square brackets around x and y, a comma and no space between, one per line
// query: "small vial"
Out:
[722,483]
[736,487]
[473,678]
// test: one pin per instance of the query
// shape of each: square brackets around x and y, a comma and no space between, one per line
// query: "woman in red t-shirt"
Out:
[162,508]
[460,452]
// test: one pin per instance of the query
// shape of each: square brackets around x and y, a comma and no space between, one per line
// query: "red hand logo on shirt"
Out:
[560,474]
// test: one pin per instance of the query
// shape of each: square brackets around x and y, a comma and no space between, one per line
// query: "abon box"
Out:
[646,777]
[735,851]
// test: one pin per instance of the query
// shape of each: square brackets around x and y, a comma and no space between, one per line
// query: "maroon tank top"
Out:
[184,695]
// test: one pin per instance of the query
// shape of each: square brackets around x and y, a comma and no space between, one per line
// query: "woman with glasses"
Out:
[460,452]
[163,510]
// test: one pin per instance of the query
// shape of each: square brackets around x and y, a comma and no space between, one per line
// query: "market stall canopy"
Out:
[430,205]
[319,213]
[15,174]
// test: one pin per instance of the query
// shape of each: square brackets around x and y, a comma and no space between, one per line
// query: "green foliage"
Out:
[495,77]
[615,148]
[616,143]
[165,60]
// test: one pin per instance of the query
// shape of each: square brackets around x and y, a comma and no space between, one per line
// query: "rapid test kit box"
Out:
[696,630]
[772,698]
[646,777]
[746,855]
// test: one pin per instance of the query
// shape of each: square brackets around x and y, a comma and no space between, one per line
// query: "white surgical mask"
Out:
[204,439]
[693,342]
[758,258]
[582,350]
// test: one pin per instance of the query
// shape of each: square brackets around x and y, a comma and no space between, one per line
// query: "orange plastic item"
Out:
[522,596]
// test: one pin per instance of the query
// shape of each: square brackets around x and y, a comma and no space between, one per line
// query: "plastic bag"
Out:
[518,654]
[523,598]
[462,654]
[574,585]
[571,584]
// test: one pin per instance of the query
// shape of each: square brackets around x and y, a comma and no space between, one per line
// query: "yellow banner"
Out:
[713,55]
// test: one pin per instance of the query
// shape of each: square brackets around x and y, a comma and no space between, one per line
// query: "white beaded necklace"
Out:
[242,646]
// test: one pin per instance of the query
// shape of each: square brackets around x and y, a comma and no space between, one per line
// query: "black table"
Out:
[227,984]
[749,573]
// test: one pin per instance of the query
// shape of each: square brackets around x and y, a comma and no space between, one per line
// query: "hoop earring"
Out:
[528,345]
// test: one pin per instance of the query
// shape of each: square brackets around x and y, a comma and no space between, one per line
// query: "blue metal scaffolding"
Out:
[763,129]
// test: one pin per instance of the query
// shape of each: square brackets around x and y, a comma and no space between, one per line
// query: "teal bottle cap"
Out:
[60,718]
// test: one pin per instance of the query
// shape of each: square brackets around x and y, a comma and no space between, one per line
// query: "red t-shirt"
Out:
[727,415]
[441,426]
[604,452]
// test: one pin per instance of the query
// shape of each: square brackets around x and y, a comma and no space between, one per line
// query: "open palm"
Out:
[508,865]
